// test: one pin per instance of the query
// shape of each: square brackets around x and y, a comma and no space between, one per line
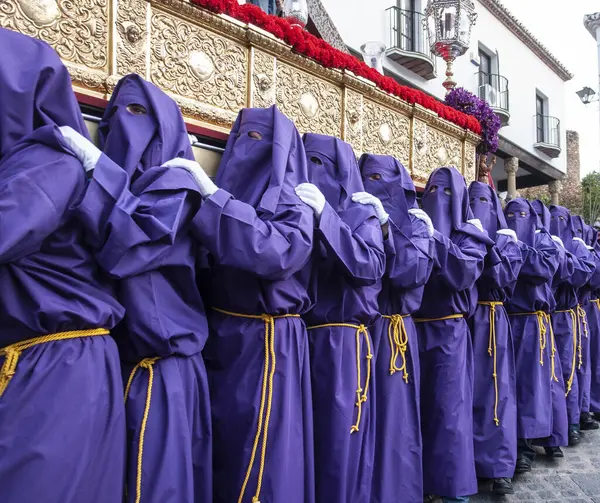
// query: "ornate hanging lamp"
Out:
[449,24]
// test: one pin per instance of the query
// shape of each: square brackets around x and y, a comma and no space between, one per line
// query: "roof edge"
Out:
[522,33]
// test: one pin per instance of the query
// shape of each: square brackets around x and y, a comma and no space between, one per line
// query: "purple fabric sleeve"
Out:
[237,237]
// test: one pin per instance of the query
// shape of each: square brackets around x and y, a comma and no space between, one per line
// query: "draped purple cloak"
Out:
[260,238]
[62,420]
[350,261]
[138,218]
[590,295]
[445,348]
[532,294]
[494,398]
[408,248]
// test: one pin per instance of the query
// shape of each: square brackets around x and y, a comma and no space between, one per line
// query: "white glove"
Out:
[581,241]
[366,198]
[508,232]
[206,185]
[87,153]
[310,195]
[192,139]
[556,239]
[421,215]
[477,223]
[537,231]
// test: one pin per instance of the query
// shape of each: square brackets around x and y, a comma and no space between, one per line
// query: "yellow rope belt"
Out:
[449,317]
[597,302]
[146,363]
[581,317]
[13,352]
[492,349]
[575,323]
[398,339]
[266,398]
[360,396]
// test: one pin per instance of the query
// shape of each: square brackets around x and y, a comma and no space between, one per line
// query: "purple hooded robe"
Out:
[350,261]
[591,296]
[528,310]
[260,237]
[588,314]
[445,349]
[495,393]
[138,218]
[408,250]
[62,420]
[566,319]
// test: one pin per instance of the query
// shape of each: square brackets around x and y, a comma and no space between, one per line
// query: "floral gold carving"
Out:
[131,36]
[263,82]
[77,30]
[469,164]
[386,132]
[176,47]
[353,120]
[313,104]
[433,148]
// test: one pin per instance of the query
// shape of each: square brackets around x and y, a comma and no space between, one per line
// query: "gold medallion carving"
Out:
[189,61]
[470,162]
[433,149]
[263,79]
[313,104]
[77,30]
[132,37]
[386,132]
[353,120]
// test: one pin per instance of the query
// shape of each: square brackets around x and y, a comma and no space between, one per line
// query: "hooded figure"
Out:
[528,310]
[445,349]
[592,309]
[589,326]
[568,318]
[260,237]
[495,397]
[408,250]
[138,214]
[62,420]
[350,261]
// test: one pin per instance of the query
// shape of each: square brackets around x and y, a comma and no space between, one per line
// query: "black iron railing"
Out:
[407,31]
[493,88]
[547,130]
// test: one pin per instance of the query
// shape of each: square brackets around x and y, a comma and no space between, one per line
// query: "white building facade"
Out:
[505,64]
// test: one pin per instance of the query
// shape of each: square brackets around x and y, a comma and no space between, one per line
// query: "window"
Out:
[485,68]
[540,118]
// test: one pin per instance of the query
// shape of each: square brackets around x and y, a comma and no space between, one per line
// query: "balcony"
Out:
[547,130]
[409,42]
[493,88]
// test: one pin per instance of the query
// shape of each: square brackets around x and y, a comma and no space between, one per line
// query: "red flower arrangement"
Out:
[313,47]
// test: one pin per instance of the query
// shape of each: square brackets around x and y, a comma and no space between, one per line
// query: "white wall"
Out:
[360,21]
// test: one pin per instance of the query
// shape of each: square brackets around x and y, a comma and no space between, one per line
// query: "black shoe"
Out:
[574,438]
[523,465]
[554,452]
[502,486]
[587,423]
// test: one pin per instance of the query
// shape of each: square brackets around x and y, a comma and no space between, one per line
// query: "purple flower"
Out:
[464,101]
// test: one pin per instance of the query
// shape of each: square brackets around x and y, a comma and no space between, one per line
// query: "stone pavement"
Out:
[573,479]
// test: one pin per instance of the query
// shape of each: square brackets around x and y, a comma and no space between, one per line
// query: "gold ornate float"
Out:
[213,65]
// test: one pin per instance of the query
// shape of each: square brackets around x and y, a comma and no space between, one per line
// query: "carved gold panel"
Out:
[131,37]
[353,120]
[194,63]
[263,79]
[313,104]
[78,30]
[470,162]
[432,149]
[386,131]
